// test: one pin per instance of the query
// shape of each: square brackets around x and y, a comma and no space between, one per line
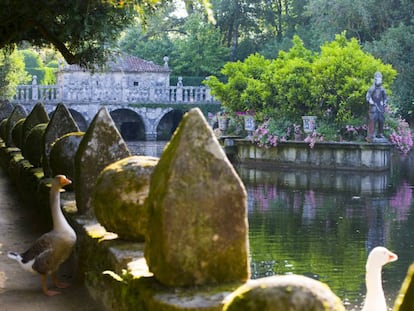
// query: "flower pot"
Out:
[309,123]
[223,123]
[249,123]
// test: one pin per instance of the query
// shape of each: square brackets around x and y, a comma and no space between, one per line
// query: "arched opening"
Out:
[129,124]
[168,124]
[79,119]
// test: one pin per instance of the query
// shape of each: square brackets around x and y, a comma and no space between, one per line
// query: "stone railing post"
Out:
[35,89]
[208,97]
[179,93]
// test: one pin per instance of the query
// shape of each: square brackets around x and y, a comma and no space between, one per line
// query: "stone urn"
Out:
[309,124]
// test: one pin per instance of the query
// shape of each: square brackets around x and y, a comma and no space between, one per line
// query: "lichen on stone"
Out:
[197,232]
[101,145]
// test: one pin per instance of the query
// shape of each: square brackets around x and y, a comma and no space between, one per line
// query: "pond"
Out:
[305,222]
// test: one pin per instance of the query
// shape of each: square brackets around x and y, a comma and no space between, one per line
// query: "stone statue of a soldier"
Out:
[377,100]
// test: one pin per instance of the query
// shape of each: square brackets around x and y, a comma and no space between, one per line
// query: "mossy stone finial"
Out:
[17,133]
[61,123]
[3,129]
[281,293]
[197,232]
[405,298]
[36,116]
[32,148]
[119,196]
[62,156]
[6,108]
[101,145]
[18,113]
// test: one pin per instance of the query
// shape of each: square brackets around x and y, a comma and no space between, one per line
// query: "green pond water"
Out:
[323,224]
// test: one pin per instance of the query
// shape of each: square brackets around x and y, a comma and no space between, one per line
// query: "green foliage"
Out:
[151,45]
[12,73]
[342,75]
[31,59]
[300,82]
[394,47]
[35,67]
[246,88]
[53,64]
[83,31]
[290,77]
[49,75]
[199,52]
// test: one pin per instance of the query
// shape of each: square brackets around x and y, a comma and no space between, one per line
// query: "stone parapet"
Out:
[324,155]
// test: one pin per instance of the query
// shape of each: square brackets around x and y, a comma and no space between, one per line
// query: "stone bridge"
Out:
[144,113]
[135,122]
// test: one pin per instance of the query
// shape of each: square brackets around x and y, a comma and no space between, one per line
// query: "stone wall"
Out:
[123,272]
[324,155]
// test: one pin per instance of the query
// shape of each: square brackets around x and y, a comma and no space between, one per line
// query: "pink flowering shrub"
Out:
[271,132]
[401,137]
[263,137]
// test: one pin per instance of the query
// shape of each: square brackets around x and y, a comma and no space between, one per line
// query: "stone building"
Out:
[125,79]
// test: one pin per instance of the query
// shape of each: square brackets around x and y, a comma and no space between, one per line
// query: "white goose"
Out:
[52,248]
[375,298]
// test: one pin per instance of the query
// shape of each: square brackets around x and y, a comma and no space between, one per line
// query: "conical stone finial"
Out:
[18,113]
[60,124]
[101,145]
[197,231]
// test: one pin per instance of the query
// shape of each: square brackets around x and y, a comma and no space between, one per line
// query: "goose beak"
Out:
[392,257]
[64,181]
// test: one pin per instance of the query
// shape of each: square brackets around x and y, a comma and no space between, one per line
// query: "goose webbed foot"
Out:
[46,291]
[58,283]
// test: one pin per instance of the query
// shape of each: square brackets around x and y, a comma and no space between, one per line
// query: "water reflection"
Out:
[148,148]
[325,229]
[323,224]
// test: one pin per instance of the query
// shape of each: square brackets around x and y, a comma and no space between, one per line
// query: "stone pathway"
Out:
[21,290]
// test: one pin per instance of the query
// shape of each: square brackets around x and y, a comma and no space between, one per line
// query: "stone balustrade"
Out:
[48,94]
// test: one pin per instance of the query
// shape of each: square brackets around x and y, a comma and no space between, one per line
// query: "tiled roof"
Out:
[126,63]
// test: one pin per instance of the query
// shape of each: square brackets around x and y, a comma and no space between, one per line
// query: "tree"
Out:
[199,52]
[147,45]
[394,47]
[343,73]
[193,44]
[246,88]
[82,30]
[12,73]
[35,67]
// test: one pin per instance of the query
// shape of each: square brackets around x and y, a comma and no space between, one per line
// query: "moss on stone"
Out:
[60,124]
[197,233]
[17,133]
[405,298]
[36,116]
[101,146]
[119,196]
[18,113]
[6,108]
[33,145]
[62,156]
[3,129]
[281,293]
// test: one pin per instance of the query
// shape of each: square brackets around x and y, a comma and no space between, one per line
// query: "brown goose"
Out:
[52,248]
